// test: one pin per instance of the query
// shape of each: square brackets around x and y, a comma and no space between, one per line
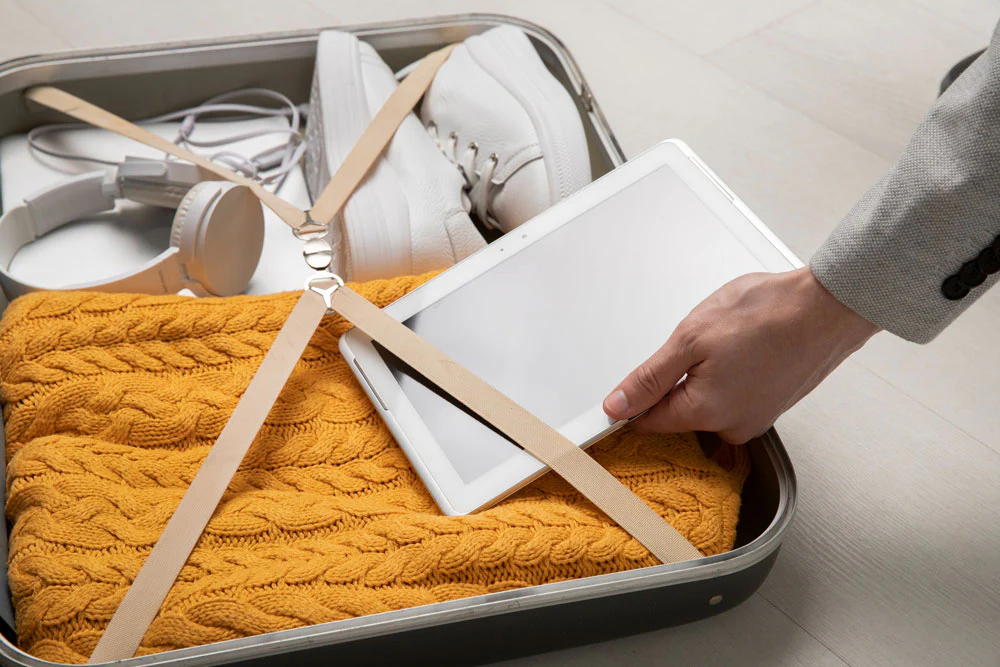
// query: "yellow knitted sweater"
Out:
[111,402]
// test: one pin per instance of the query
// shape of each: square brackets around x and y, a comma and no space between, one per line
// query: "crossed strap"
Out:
[142,601]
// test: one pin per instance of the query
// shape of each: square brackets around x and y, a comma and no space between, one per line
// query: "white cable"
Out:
[267,166]
[43,130]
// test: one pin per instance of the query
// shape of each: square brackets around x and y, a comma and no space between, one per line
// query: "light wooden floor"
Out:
[799,105]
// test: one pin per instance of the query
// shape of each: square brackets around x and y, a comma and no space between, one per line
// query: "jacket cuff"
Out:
[900,296]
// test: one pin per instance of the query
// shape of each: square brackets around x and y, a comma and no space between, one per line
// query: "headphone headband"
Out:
[155,182]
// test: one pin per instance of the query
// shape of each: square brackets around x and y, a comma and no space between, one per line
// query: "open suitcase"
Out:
[139,83]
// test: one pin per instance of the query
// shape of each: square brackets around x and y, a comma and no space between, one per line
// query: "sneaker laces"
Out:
[479,186]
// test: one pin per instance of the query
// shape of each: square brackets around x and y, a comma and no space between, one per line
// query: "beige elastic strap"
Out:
[143,599]
[72,105]
[376,137]
[538,438]
[359,161]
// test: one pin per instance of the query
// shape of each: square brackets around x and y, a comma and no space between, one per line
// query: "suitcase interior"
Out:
[138,83]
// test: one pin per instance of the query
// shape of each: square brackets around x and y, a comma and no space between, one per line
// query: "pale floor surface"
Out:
[894,558]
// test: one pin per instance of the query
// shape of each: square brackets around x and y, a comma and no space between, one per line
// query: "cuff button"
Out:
[988,261]
[954,289]
[971,274]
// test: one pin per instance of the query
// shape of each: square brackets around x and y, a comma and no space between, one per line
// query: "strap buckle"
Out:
[317,250]
[310,229]
[325,284]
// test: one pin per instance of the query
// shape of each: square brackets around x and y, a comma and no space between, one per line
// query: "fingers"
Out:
[674,414]
[685,409]
[651,381]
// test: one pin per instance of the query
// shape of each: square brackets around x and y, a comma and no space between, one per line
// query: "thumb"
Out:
[650,382]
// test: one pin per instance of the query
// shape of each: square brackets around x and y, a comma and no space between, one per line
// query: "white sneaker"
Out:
[511,127]
[407,217]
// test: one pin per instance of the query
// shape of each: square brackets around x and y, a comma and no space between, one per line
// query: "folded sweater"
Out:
[112,401]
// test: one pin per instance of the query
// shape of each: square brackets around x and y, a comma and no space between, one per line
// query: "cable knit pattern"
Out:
[111,402]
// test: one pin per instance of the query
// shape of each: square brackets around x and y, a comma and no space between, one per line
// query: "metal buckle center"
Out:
[325,284]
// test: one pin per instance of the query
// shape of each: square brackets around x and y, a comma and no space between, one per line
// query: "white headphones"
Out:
[215,241]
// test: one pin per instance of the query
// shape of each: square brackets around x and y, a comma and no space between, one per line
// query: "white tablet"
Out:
[555,313]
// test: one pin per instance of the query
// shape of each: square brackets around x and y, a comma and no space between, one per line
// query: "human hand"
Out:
[750,350]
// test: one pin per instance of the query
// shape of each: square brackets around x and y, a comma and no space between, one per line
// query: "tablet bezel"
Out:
[452,494]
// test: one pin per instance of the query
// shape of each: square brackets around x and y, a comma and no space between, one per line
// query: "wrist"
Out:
[836,321]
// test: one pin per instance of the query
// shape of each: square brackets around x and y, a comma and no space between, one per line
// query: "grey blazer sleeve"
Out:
[923,243]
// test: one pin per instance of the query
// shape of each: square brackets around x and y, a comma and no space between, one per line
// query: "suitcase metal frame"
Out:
[141,82]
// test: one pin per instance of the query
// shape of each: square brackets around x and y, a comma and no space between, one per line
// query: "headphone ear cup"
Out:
[177,226]
[218,231]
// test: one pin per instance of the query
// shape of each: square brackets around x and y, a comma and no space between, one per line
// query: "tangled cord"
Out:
[269,166]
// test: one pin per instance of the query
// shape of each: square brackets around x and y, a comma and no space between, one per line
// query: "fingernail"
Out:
[616,403]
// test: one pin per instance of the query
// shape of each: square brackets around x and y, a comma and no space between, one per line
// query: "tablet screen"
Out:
[558,324]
